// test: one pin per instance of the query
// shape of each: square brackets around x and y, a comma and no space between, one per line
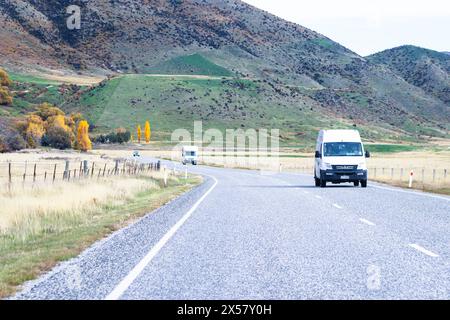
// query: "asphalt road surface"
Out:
[244,235]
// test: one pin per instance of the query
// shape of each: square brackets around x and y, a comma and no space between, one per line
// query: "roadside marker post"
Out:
[165,176]
[411,174]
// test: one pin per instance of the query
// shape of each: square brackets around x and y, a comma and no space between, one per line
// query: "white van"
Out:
[189,155]
[340,157]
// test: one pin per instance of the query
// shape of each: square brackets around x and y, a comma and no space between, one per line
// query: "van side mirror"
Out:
[367,154]
[318,155]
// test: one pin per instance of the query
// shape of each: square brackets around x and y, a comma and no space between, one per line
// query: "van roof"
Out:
[190,148]
[340,136]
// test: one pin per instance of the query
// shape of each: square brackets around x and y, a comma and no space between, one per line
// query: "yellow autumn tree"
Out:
[34,131]
[83,141]
[5,96]
[139,133]
[147,131]
[4,79]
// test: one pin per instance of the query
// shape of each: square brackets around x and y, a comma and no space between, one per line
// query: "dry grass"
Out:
[81,80]
[26,212]
[44,223]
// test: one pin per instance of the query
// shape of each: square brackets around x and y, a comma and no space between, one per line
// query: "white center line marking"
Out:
[318,197]
[128,280]
[337,206]
[423,250]
[370,223]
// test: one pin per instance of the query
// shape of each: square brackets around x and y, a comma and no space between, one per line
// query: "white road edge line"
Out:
[337,206]
[370,223]
[418,193]
[318,197]
[423,250]
[128,280]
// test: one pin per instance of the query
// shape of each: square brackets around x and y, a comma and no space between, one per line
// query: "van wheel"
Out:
[364,183]
[356,183]
[323,183]
[317,182]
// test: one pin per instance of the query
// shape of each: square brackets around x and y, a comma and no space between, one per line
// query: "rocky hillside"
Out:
[427,69]
[150,36]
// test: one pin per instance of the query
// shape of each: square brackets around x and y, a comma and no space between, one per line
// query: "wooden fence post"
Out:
[25,173]
[54,173]
[85,168]
[34,173]
[66,170]
[9,173]
[92,171]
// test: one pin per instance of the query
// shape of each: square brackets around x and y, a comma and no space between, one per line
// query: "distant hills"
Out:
[288,68]
[423,68]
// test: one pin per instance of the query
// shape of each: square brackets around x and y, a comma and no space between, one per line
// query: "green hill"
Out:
[174,102]
[424,68]
[191,64]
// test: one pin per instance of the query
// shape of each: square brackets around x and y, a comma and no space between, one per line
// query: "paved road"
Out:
[243,235]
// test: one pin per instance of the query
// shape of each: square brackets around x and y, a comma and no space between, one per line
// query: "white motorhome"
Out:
[340,158]
[189,155]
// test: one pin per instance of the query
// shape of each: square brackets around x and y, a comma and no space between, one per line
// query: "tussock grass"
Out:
[41,225]
[26,212]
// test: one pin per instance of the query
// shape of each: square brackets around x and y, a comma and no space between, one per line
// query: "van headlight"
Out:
[327,165]
[362,166]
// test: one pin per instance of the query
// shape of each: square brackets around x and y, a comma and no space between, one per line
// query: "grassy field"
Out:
[191,64]
[42,224]
[430,165]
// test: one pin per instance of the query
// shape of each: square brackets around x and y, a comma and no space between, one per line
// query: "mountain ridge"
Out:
[131,36]
[421,67]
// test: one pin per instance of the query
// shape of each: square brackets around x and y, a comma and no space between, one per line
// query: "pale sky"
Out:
[369,26]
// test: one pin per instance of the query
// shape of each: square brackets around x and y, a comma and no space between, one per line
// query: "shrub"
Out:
[46,111]
[5,96]
[4,78]
[3,146]
[58,138]
[120,136]
[15,142]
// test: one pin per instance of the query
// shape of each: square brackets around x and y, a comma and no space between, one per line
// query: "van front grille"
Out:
[344,168]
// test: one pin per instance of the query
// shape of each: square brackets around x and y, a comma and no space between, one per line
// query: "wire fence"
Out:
[50,172]
[419,176]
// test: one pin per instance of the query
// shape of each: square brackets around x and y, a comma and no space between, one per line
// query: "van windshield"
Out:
[189,153]
[342,149]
